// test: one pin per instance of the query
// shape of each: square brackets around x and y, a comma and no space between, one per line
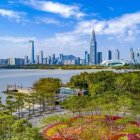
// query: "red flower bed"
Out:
[136,123]
[130,136]
[112,117]
[68,132]
[46,129]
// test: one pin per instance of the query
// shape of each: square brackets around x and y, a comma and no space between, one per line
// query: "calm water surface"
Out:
[27,77]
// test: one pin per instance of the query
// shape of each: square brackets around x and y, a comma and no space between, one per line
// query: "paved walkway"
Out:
[35,118]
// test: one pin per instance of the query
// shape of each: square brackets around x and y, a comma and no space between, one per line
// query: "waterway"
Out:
[26,78]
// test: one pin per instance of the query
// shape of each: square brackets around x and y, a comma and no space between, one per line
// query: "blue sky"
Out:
[64,26]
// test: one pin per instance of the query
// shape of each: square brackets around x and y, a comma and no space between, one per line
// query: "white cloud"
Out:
[66,40]
[18,16]
[13,46]
[11,2]
[56,8]
[47,21]
[13,39]
[61,43]
[124,27]
[111,8]
[121,29]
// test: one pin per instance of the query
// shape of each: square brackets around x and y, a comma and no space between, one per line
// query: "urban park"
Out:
[110,110]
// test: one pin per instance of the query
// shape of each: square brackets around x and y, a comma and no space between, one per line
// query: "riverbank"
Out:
[69,67]
[26,77]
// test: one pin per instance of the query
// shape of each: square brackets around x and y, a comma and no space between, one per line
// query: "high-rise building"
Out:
[82,61]
[3,61]
[132,57]
[44,61]
[41,57]
[99,57]
[37,59]
[53,59]
[117,54]
[109,55]
[26,60]
[93,49]
[61,56]
[12,61]
[86,58]
[137,55]
[70,60]
[32,51]
[48,60]
[16,61]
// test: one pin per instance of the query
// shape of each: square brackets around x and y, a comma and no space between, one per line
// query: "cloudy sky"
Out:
[64,26]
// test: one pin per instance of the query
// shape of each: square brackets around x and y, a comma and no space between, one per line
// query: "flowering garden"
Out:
[112,107]
[93,128]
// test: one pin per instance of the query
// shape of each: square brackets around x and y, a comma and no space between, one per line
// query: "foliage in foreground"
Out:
[17,128]
[109,93]
[13,129]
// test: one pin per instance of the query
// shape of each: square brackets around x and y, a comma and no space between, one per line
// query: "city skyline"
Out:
[65,27]
[94,57]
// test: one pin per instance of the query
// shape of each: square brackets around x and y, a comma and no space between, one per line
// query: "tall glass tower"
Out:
[117,54]
[32,51]
[86,58]
[99,57]
[109,55]
[41,57]
[132,57]
[93,49]
[138,56]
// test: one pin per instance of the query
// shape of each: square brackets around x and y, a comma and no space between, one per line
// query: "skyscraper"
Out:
[86,58]
[48,60]
[41,57]
[26,60]
[93,49]
[117,54]
[61,56]
[137,56]
[99,56]
[109,55]
[37,59]
[32,51]
[131,55]
[53,59]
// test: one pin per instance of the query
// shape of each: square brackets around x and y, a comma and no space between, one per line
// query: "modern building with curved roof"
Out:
[115,63]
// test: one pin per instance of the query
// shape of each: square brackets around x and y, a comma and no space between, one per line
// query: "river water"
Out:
[27,77]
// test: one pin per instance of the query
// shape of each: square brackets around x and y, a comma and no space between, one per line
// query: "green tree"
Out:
[46,90]
[10,104]
[75,104]
[94,104]
[19,103]
[125,103]
[6,121]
